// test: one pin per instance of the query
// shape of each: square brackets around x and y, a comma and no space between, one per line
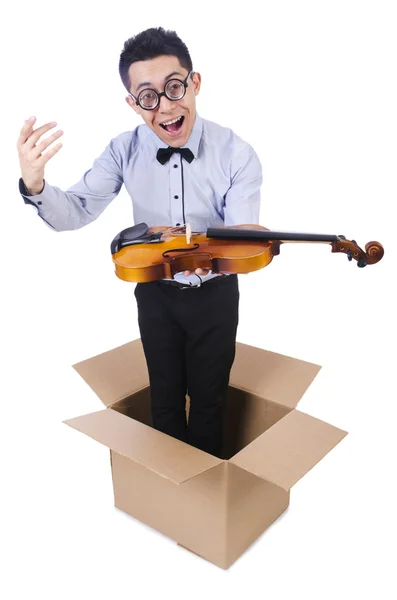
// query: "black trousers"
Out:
[189,340]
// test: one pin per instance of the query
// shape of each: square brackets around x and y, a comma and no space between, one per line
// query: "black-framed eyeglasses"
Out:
[174,89]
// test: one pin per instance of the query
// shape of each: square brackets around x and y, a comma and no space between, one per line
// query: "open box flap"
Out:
[289,449]
[153,449]
[116,373]
[273,376]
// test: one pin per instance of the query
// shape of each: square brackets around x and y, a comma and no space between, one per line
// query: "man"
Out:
[188,324]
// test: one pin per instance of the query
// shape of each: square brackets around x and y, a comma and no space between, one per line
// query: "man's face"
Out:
[154,74]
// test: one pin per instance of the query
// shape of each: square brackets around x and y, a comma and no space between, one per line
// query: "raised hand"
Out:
[30,151]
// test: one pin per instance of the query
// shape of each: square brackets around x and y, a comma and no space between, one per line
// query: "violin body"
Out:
[142,254]
[171,254]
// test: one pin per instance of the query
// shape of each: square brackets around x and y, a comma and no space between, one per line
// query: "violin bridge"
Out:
[188,233]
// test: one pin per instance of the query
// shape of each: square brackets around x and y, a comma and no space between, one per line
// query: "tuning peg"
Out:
[349,254]
[361,262]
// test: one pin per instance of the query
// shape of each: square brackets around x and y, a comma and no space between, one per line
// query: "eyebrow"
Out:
[146,83]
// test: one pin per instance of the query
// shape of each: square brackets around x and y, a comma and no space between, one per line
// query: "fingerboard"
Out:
[265,235]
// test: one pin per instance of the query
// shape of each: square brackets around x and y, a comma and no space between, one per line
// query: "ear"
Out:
[131,102]
[196,80]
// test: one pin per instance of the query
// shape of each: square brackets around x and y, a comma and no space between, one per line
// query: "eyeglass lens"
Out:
[174,90]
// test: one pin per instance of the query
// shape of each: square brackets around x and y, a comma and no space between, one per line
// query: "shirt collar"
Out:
[192,143]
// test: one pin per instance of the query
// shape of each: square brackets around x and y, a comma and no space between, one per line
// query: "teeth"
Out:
[170,122]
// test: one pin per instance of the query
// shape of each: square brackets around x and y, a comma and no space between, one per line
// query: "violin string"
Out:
[183,194]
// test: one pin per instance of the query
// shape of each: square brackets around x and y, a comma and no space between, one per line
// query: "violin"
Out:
[142,254]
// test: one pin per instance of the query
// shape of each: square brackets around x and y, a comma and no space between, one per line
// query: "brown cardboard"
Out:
[301,436]
[155,451]
[214,507]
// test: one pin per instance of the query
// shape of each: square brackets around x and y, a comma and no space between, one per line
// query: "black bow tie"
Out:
[164,154]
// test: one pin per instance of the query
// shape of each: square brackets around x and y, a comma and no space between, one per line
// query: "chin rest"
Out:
[137,234]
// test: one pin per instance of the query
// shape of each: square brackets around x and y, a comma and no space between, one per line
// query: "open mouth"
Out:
[173,125]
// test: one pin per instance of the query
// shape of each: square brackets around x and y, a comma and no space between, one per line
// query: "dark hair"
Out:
[149,44]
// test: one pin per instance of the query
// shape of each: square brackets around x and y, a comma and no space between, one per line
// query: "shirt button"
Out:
[176,197]
[175,166]
[177,224]
[39,202]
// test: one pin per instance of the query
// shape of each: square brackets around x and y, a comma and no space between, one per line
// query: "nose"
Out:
[165,105]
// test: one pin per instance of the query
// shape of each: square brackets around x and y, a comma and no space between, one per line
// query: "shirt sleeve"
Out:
[242,200]
[86,200]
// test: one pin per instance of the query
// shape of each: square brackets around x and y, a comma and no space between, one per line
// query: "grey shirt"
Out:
[221,186]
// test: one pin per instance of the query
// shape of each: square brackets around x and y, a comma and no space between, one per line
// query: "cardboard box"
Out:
[216,508]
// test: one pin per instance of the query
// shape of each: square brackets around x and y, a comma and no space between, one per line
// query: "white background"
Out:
[322,77]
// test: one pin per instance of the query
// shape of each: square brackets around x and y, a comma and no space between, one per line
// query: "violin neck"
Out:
[266,235]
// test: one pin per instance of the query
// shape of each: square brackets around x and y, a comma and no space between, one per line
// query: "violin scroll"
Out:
[372,254]
[375,250]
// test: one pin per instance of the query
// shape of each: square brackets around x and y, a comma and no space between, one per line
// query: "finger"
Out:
[37,151]
[202,271]
[37,133]
[25,131]
[27,124]
[44,158]
[30,137]
[187,273]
